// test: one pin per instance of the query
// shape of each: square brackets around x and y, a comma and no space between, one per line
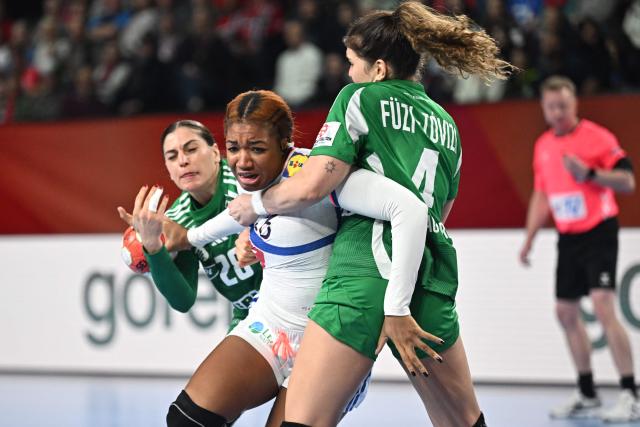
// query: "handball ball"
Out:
[132,253]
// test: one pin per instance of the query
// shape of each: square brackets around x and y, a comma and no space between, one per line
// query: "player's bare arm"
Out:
[319,176]
[619,180]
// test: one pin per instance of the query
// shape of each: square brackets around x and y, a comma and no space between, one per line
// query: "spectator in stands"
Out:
[332,80]
[50,50]
[591,61]
[251,31]
[143,21]
[298,68]
[106,20]
[336,25]
[37,100]
[555,36]
[17,49]
[597,10]
[310,16]
[80,52]
[7,97]
[111,75]
[206,65]
[522,84]
[630,44]
[82,101]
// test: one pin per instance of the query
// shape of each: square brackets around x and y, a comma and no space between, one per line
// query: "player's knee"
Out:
[185,413]
[567,316]
[604,310]
[290,424]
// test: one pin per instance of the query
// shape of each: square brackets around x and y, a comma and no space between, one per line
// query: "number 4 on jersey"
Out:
[424,176]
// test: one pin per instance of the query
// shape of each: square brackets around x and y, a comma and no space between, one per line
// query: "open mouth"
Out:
[247,178]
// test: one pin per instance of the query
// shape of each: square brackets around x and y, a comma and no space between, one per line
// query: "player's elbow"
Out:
[628,185]
[182,306]
[632,184]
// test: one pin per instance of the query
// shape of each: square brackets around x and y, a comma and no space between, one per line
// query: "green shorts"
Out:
[351,309]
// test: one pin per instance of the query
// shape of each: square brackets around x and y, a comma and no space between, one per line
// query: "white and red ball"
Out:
[132,252]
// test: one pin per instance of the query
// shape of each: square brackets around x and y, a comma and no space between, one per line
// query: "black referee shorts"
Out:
[587,260]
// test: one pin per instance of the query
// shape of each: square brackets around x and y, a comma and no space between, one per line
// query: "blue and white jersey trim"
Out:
[291,250]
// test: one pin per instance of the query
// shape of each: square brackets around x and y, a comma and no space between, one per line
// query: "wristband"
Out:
[591,174]
[256,203]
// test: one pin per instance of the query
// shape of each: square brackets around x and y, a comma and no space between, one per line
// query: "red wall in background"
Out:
[68,177]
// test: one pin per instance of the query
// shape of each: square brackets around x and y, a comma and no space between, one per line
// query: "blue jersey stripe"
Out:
[292,250]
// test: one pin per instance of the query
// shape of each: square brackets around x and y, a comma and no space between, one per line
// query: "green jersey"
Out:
[178,280]
[393,128]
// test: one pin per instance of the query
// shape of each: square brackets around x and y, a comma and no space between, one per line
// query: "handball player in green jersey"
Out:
[385,122]
[195,166]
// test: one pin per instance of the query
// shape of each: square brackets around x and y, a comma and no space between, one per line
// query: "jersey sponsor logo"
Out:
[327,134]
[263,332]
[568,206]
[256,327]
[294,165]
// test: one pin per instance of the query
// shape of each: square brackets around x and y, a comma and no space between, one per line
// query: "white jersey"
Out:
[294,251]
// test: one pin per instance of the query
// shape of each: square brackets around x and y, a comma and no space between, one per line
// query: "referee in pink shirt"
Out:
[578,166]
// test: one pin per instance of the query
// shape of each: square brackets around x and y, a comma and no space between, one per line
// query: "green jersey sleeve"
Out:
[176,279]
[345,127]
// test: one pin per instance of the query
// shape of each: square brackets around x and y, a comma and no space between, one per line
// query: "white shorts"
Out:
[279,346]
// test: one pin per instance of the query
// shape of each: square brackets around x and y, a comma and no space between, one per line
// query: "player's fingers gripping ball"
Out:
[132,252]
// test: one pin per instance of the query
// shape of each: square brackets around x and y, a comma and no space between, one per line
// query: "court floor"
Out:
[27,400]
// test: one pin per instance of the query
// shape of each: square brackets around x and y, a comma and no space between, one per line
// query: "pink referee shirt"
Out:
[576,207]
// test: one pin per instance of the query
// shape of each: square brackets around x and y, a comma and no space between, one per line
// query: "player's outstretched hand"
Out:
[176,236]
[244,252]
[241,210]
[407,335]
[148,216]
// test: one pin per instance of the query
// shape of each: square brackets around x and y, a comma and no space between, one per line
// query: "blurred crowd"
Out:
[87,58]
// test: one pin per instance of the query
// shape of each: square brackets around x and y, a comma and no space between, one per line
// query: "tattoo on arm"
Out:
[330,166]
